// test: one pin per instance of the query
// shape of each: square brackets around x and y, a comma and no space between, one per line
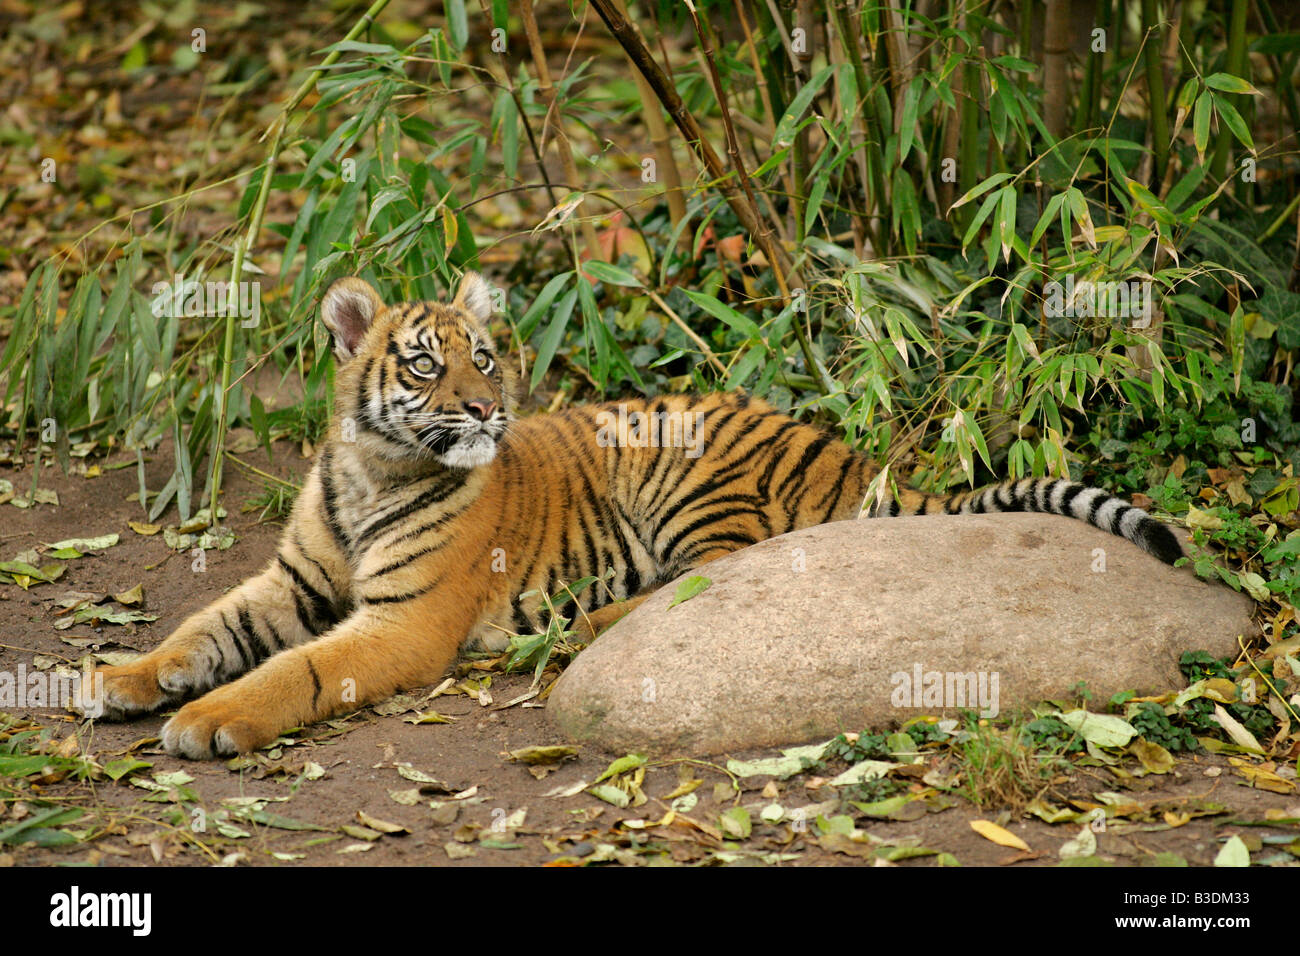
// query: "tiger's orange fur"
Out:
[429,513]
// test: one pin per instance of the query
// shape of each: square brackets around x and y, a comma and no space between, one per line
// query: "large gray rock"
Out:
[828,629]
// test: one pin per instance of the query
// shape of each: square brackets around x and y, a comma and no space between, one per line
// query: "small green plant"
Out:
[1000,767]
[1051,735]
[1154,726]
[537,650]
[274,502]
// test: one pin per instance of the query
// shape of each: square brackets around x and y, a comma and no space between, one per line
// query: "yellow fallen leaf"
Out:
[991,831]
[1240,735]
[139,527]
[1176,819]
[131,597]
[383,826]
[1196,518]
[1221,689]
[1263,778]
[1282,813]
[683,788]
[1153,757]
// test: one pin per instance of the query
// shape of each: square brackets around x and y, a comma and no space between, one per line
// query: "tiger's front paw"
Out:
[143,686]
[216,725]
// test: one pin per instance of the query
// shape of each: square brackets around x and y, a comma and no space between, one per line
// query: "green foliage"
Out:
[1153,726]
[868,746]
[1052,735]
[536,650]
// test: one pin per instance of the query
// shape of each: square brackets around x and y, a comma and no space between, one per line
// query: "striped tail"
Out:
[1050,495]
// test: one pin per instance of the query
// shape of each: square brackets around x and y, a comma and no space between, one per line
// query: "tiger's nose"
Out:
[481,408]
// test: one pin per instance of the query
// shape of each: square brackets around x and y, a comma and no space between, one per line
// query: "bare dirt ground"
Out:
[331,792]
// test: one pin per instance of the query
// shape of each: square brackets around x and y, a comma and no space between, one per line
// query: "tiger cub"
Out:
[431,512]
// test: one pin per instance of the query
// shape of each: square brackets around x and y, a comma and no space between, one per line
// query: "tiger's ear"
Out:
[474,296]
[347,310]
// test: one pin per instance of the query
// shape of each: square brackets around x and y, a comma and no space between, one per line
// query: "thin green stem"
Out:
[242,248]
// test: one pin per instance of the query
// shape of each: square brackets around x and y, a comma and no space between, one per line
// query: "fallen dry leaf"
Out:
[991,831]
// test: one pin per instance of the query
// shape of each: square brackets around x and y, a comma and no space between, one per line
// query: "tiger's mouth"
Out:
[472,451]
[461,442]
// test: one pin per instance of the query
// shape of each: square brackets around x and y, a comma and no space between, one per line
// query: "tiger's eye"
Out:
[424,365]
[482,359]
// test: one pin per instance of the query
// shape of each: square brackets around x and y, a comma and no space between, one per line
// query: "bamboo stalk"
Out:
[1056,70]
[764,94]
[663,147]
[509,84]
[1087,113]
[896,46]
[243,246]
[1025,27]
[1173,73]
[778,259]
[1234,63]
[1151,49]
[546,93]
[873,192]
[967,165]
[733,146]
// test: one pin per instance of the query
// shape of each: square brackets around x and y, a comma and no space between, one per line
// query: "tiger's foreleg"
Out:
[290,602]
[377,651]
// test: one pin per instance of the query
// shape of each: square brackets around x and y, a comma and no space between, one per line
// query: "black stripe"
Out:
[302,550]
[1043,495]
[246,625]
[363,387]
[399,598]
[239,645]
[321,608]
[448,484]
[775,455]
[800,471]
[1120,512]
[1029,499]
[731,537]
[719,479]
[433,525]
[630,573]
[219,663]
[697,524]
[1068,498]
[403,562]
[838,489]
[315,681]
[330,504]
[1017,502]
[304,616]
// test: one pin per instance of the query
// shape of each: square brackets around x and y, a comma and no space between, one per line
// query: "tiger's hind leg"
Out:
[589,626]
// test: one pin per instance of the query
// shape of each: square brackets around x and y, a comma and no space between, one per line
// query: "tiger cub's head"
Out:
[419,379]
